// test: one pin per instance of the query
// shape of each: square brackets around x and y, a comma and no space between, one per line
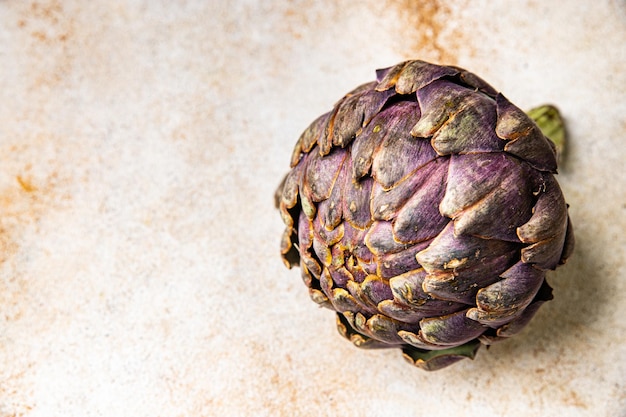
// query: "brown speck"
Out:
[40,36]
[9,392]
[48,10]
[573,399]
[25,184]
[50,28]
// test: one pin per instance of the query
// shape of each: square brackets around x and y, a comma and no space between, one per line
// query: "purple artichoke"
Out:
[423,209]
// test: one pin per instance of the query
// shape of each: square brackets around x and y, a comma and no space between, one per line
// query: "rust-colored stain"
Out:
[23,202]
[14,209]
[48,28]
[25,184]
[46,20]
[427,31]
[9,394]
[573,399]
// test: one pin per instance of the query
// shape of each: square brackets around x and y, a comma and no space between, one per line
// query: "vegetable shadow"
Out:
[581,297]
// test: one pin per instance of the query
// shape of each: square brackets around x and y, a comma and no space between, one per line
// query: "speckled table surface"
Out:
[140,146]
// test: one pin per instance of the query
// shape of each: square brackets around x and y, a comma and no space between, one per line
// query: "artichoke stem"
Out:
[438,359]
[549,120]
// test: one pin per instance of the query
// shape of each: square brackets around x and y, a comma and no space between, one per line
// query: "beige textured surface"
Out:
[140,146]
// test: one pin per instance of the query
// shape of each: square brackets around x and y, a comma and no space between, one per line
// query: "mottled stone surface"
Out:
[140,146]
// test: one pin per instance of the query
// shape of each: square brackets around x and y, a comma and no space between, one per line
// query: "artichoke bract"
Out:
[423,209]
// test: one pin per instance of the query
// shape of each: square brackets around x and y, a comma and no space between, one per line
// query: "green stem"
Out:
[432,360]
[549,120]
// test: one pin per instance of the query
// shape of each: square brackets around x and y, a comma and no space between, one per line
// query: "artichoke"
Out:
[424,211]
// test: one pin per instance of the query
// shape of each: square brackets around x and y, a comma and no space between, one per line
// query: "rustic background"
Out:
[140,146]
